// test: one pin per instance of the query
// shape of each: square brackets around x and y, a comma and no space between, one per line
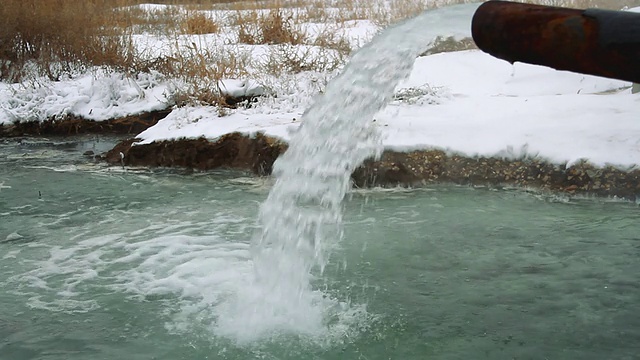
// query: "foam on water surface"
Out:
[192,268]
[160,260]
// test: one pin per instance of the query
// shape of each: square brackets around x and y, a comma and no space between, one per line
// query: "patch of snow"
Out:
[196,122]
[601,128]
[355,32]
[473,73]
[241,88]
[154,8]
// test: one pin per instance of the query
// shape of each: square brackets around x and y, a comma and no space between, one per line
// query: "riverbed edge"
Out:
[257,153]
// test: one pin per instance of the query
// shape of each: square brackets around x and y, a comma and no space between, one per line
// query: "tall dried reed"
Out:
[55,37]
[58,37]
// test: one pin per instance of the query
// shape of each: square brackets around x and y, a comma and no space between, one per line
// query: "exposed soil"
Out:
[133,124]
[416,168]
[234,150]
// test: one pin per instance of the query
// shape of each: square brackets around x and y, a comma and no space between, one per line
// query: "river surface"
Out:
[112,263]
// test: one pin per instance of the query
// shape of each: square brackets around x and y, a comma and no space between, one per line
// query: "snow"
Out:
[241,88]
[100,96]
[600,128]
[97,96]
[485,107]
[463,102]
[154,7]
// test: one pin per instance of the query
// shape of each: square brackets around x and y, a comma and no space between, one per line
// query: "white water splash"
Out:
[301,218]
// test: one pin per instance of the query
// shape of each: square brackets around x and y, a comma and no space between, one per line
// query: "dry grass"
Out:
[195,70]
[287,59]
[59,36]
[55,38]
[137,20]
[197,23]
[278,27]
[274,26]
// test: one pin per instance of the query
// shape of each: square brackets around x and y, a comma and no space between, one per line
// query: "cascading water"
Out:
[301,218]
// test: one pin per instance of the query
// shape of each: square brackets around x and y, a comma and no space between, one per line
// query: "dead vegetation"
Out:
[450,44]
[60,38]
[53,38]
[275,26]
[197,23]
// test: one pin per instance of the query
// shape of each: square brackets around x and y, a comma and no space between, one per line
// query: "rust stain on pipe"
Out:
[597,42]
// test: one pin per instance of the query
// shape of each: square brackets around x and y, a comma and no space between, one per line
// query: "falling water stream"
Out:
[301,218]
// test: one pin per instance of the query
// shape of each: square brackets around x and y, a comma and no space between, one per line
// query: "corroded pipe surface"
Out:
[597,42]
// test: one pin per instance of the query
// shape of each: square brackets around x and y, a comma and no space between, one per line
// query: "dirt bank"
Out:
[132,125]
[234,150]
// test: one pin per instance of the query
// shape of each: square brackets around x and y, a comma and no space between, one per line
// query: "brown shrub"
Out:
[199,70]
[275,26]
[198,23]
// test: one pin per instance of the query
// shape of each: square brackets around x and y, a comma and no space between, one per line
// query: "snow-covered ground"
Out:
[471,103]
[465,102]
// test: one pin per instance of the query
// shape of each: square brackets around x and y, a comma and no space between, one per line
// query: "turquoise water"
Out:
[136,264]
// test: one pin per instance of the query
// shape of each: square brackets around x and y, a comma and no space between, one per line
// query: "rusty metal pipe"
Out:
[597,42]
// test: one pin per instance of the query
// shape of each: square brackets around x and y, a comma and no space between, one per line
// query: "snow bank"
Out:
[241,88]
[99,96]
[485,107]
[463,102]
[196,122]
